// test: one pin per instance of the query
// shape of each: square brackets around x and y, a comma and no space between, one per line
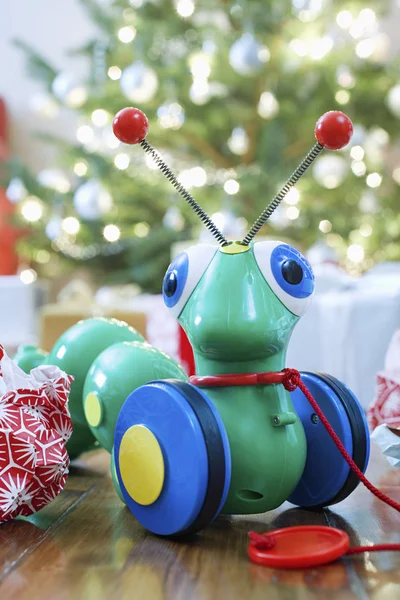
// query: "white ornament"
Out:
[171,116]
[138,82]
[54,227]
[238,143]
[67,89]
[16,191]
[330,171]
[247,56]
[92,200]
[393,100]
[54,179]
[173,219]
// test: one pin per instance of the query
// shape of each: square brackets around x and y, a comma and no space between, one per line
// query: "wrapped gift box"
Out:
[347,330]
[18,316]
[57,318]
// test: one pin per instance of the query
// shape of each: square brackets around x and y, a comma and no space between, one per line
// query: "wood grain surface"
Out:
[87,545]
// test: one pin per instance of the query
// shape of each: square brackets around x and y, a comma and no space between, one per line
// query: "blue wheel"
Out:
[172,457]
[327,479]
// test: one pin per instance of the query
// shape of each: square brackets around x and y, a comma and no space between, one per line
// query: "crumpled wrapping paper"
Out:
[389,442]
[35,425]
[384,412]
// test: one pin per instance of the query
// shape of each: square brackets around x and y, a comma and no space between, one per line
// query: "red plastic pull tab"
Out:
[300,547]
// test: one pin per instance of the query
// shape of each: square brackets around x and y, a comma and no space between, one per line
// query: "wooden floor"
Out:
[86,544]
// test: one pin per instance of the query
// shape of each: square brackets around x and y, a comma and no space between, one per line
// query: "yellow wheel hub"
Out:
[141,465]
[93,409]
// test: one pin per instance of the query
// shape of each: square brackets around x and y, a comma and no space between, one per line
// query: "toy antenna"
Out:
[130,125]
[333,131]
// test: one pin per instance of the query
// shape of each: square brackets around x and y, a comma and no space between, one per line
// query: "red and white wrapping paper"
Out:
[384,412]
[35,425]
[385,409]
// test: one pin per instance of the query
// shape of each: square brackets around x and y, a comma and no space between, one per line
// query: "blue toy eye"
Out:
[288,274]
[175,279]
[183,275]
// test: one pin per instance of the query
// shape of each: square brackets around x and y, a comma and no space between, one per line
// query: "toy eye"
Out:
[183,275]
[288,274]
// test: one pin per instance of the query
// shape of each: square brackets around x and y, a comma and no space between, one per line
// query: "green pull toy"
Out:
[233,439]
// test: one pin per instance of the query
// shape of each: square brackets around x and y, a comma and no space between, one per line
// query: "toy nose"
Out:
[234,248]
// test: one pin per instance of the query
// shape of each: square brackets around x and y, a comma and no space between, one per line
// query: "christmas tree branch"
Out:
[206,149]
[254,126]
[37,66]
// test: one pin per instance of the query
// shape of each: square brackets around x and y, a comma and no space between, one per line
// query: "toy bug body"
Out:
[237,324]
[233,438]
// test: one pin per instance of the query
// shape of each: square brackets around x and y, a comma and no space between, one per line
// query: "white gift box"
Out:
[18,311]
[347,330]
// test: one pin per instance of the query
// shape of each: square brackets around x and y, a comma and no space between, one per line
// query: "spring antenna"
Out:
[273,205]
[164,168]
[130,126]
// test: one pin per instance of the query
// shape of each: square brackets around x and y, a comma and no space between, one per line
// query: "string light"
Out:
[320,47]
[325,226]
[76,97]
[359,168]
[185,8]
[114,73]
[84,134]
[299,47]
[127,34]
[374,180]
[344,19]
[293,196]
[28,276]
[268,105]
[70,225]
[365,48]
[100,117]
[357,152]
[231,187]
[292,213]
[367,17]
[32,209]
[141,230]
[80,168]
[365,230]
[355,253]
[121,161]
[342,96]
[42,257]
[200,65]
[196,177]
[396,175]
[345,77]
[111,233]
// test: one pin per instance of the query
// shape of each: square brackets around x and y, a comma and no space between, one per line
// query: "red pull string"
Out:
[291,380]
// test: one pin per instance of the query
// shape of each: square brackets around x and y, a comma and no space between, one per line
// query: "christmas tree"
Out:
[232,91]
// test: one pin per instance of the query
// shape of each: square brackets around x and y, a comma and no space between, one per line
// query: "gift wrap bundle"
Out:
[384,412]
[35,425]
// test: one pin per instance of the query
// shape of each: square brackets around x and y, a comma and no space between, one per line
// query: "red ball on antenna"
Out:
[130,125]
[334,130]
